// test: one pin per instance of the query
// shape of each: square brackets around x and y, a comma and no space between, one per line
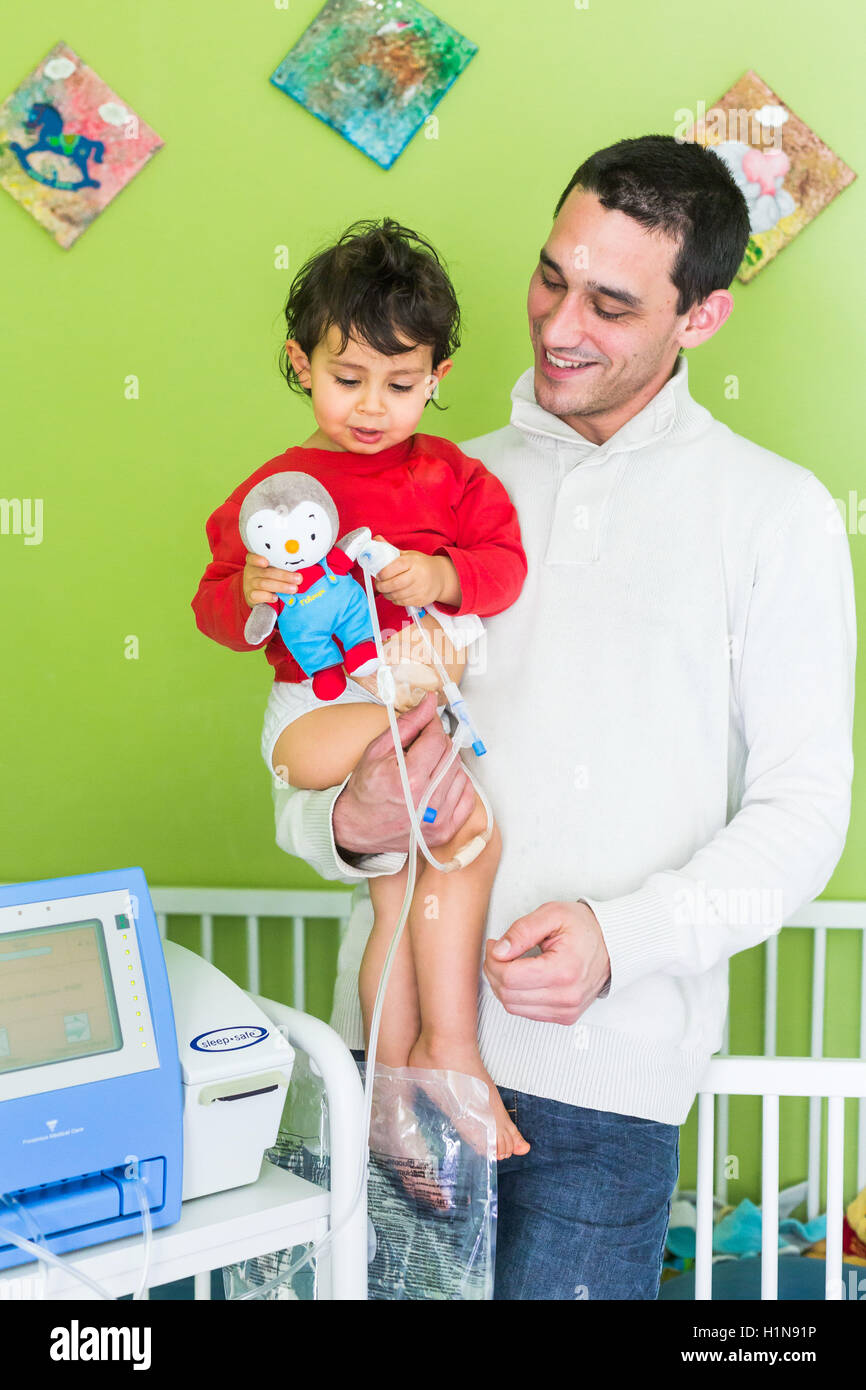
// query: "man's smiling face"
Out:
[602,296]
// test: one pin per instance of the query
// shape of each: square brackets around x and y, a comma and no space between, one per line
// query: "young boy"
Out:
[371,325]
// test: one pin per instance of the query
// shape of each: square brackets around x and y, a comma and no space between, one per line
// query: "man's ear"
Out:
[705,319]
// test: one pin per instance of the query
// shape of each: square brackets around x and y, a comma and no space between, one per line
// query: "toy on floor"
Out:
[853,1233]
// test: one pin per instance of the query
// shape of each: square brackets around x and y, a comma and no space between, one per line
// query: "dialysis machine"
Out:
[99,1088]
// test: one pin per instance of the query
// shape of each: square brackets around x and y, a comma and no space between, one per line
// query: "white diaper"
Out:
[288,700]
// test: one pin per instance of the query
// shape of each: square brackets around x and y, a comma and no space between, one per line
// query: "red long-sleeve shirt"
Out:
[421,494]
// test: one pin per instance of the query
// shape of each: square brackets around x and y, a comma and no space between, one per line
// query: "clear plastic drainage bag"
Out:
[431,1188]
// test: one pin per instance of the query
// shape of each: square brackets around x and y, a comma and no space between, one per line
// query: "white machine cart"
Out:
[278,1211]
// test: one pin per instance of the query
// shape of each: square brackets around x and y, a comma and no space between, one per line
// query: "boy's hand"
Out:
[415,579]
[262,581]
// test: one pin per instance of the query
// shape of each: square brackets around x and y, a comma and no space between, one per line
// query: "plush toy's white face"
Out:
[290,540]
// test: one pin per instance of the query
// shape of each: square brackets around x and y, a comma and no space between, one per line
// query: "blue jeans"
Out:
[584,1214]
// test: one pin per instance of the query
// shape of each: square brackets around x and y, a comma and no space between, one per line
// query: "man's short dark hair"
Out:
[682,189]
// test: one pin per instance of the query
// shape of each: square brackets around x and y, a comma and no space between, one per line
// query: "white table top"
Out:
[277,1211]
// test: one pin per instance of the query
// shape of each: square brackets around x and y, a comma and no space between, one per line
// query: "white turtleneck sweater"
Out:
[668,714]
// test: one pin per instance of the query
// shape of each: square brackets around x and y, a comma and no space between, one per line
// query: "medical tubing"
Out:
[457,703]
[319,1245]
[416,840]
[398,744]
[46,1256]
[370,1067]
[147,1234]
[26,1216]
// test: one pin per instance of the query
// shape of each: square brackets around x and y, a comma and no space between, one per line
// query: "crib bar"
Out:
[161,924]
[819,966]
[722,1130]
[813,1177]
[298,970]
[264,902]
[704,1205]
[207,936]
[839,915]
[835,1165]
[771,995]
[770,1199]
[861,1105]
[723,1120]
[201,1288]
[819,969]
[253,957]
[785,1076]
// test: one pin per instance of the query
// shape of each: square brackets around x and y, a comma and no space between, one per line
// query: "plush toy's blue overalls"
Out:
[334,606]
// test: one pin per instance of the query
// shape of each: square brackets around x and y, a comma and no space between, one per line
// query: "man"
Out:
[668,712]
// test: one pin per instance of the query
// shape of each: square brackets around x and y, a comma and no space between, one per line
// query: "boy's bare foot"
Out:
[396,1138]
[464,1058]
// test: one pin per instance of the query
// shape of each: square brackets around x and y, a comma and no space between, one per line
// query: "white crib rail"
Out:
[295,906]
[771,1078]
[817,917]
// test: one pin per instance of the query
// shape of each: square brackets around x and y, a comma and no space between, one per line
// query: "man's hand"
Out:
[370,815]
[560,984]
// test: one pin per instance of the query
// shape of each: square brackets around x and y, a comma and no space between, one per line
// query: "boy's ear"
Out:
[431,383]
[444,368]
[299,361]
[431,388]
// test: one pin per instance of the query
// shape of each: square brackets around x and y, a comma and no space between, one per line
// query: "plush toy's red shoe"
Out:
[361,660]
[330,683]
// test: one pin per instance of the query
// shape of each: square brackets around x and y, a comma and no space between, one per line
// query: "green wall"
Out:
[108,761]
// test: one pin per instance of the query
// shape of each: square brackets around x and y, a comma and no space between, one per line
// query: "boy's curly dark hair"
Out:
[376,286]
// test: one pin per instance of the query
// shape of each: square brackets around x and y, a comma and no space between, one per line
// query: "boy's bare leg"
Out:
[321,748]
[318,751]
[399,1026]
[446,922]
[400,1022]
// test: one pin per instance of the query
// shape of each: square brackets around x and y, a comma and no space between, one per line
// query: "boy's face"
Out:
[362,400]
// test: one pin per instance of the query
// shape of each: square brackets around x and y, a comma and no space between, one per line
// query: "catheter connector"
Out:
[386,685]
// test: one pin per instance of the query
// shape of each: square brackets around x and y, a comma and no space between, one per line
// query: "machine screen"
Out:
[56,996]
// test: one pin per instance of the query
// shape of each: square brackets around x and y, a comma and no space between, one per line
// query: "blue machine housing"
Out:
[76,1186]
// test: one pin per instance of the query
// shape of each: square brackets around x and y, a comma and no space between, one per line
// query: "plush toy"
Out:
[291,520]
